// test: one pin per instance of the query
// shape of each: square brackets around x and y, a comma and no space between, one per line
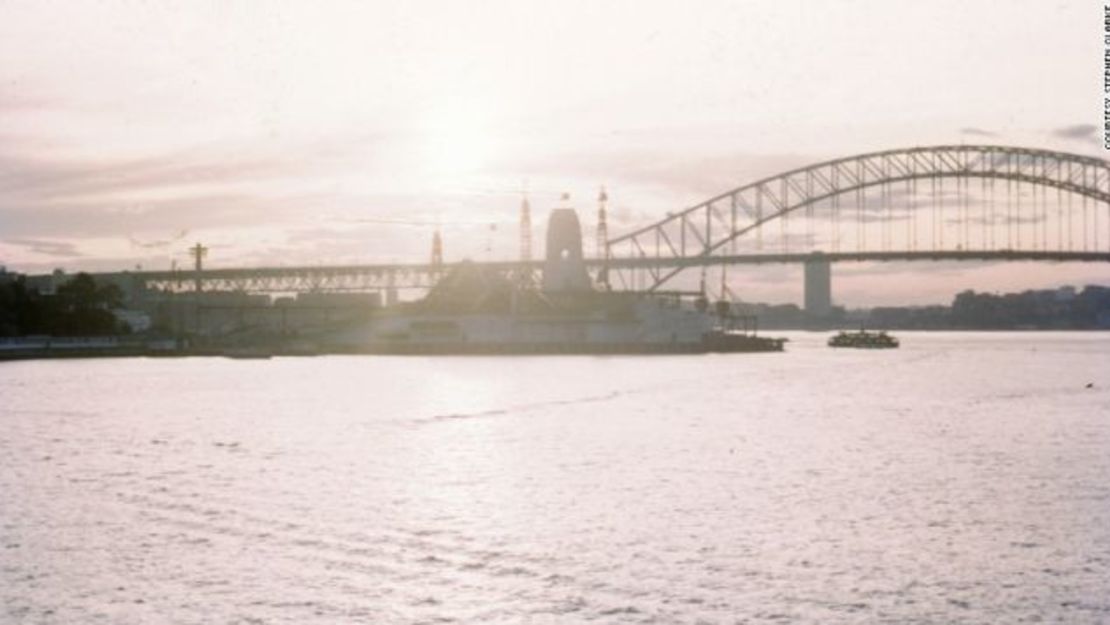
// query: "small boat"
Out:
[864,340]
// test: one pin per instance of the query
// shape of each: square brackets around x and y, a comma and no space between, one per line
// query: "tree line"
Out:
[80,307]
[1043,310]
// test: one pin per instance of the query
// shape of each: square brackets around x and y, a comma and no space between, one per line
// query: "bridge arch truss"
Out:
[1006,200]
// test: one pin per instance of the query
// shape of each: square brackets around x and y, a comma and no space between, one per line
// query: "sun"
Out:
[458,139]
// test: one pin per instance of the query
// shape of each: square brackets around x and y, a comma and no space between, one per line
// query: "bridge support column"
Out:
[818,285]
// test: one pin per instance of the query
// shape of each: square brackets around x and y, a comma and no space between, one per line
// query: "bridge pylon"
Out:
[818,285]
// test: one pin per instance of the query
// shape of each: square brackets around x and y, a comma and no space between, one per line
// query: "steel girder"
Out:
[703,230]
[335,278]
[699,236]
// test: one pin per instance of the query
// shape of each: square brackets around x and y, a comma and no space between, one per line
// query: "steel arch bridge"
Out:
[952,202]
[1009,203]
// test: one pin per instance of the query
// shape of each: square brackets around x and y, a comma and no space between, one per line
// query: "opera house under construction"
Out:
[477,310]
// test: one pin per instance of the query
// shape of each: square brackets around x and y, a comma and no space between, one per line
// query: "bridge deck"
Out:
[420,275]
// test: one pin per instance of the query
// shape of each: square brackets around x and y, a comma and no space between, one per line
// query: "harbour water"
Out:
[963,478]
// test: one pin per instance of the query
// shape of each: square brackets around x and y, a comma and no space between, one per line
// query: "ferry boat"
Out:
[864,340]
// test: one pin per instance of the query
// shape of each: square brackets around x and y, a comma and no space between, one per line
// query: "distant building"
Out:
[137,320]
[1065,294]
[47,284]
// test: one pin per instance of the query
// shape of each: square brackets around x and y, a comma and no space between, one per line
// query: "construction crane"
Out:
[198,252]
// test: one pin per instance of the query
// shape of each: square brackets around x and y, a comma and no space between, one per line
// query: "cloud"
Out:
[33,170]
[677,179]
[158,218]
[1083,133]
[46,247]
[47,181]
[21,100]
[44,192]
[977,132]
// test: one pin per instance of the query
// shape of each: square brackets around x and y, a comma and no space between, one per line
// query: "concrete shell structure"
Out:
[564,270]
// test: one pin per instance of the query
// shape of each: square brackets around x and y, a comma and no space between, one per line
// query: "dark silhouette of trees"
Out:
[1055,309]
[80,307]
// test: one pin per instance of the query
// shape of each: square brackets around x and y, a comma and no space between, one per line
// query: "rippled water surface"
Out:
[962,478]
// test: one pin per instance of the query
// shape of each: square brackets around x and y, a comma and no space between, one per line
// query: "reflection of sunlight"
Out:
[457,139]
[459,395]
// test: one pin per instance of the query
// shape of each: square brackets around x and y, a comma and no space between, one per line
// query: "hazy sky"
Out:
[296,133]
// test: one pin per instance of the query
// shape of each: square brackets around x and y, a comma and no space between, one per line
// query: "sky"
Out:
[292,133]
